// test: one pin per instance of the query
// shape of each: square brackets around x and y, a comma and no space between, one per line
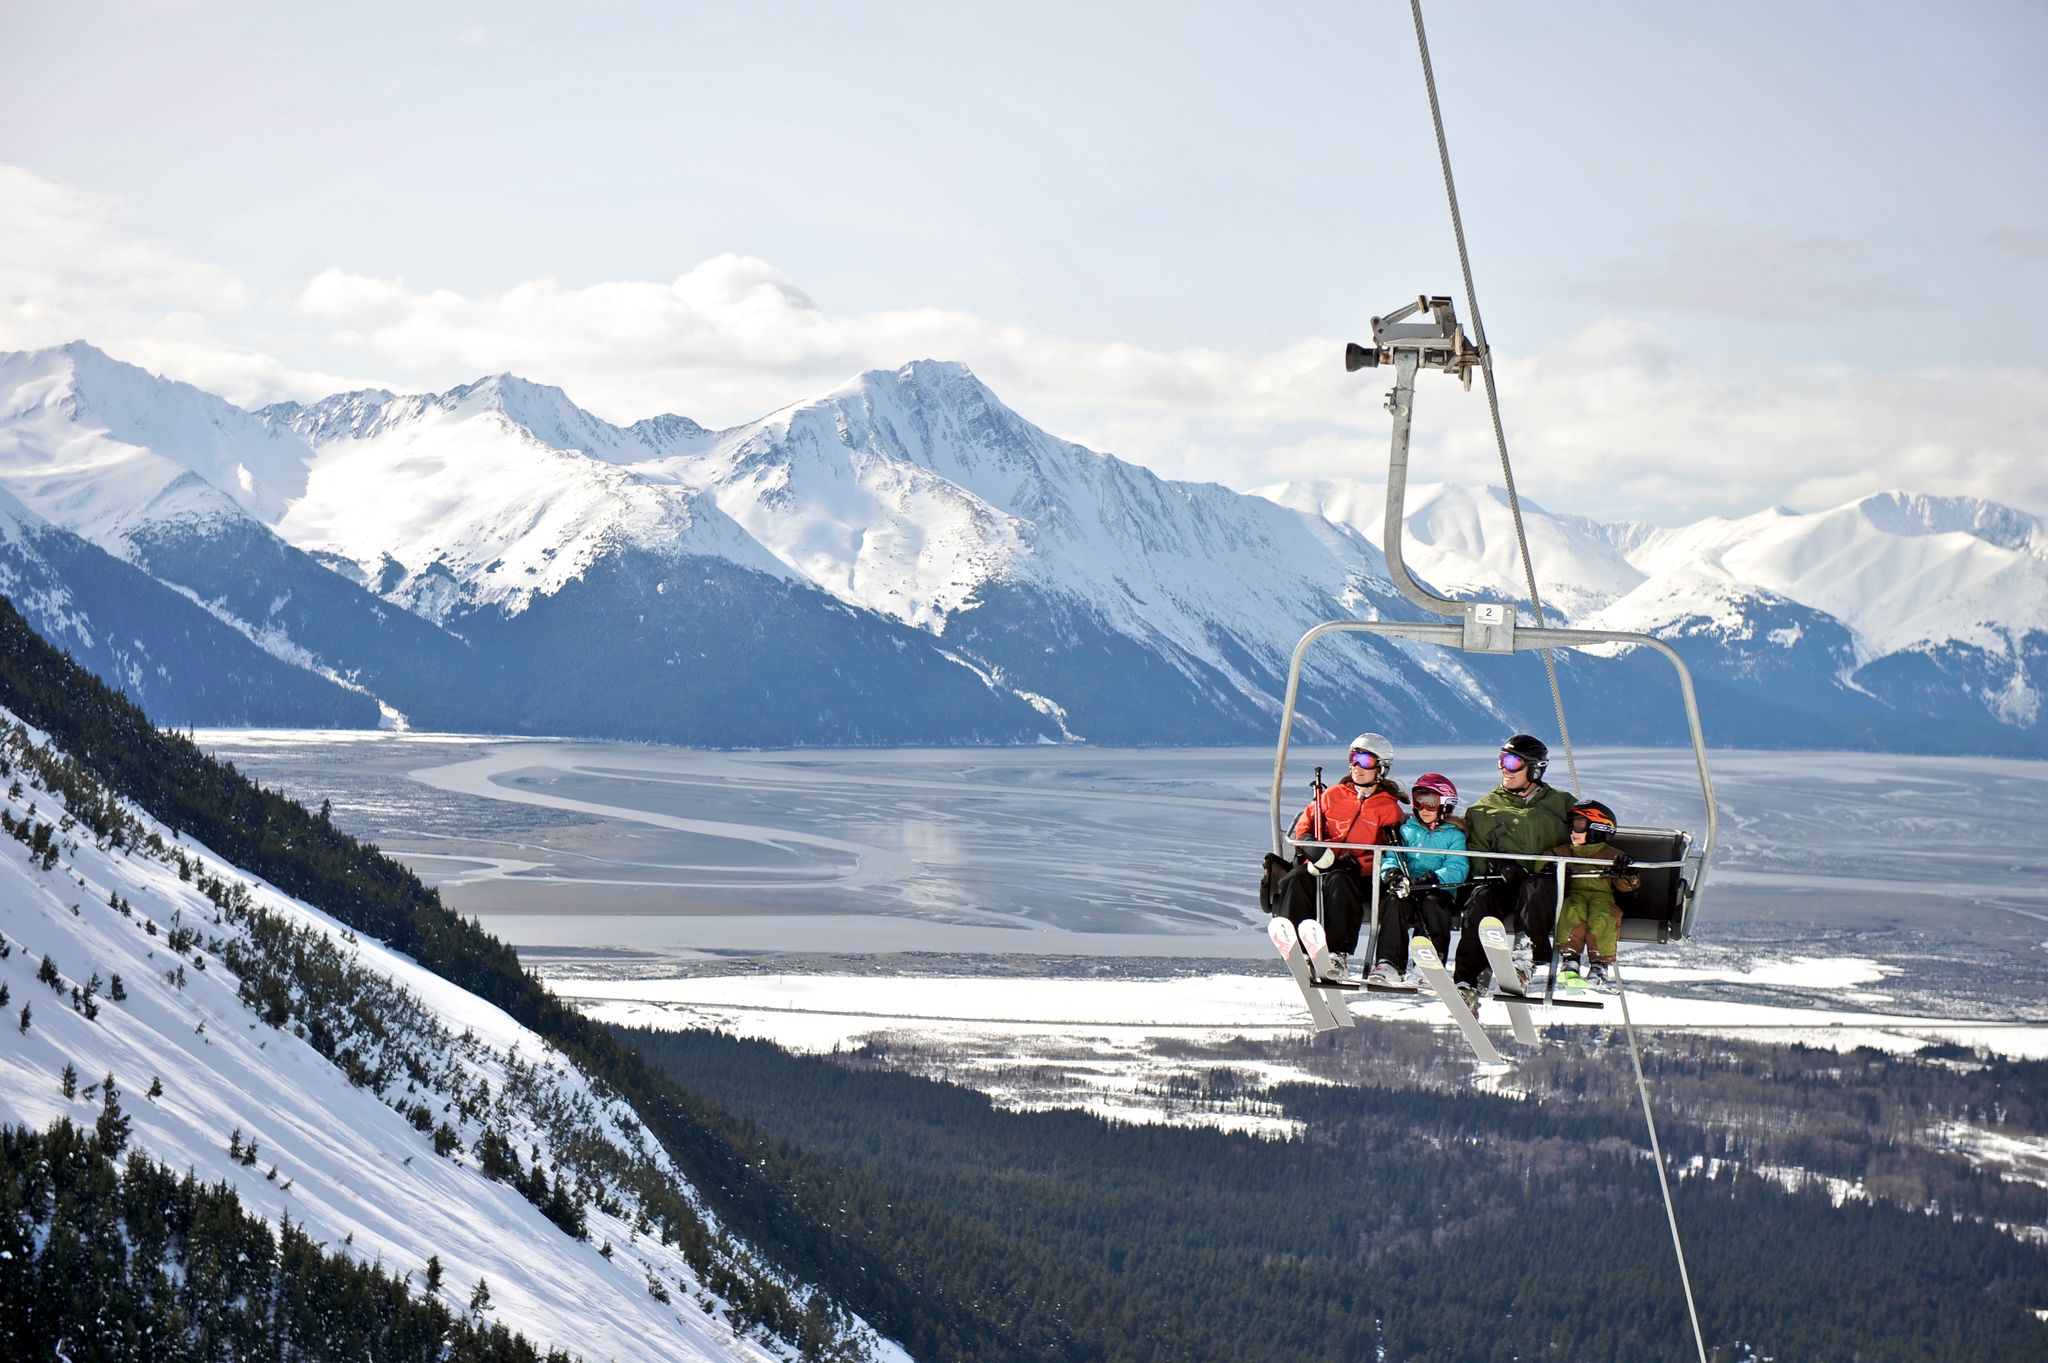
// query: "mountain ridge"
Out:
[912,510]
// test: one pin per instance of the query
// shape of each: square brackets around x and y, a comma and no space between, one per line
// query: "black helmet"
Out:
[1530,750]
[1596,819]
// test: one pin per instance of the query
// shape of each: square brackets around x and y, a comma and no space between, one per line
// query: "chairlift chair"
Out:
[1672,863]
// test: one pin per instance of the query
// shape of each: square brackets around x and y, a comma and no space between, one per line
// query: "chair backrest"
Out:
[1656,911]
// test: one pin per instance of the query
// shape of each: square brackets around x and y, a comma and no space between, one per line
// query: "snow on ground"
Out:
[1790,1177]
[2018,1159]
[1097,1035]
[348,1167]
[1101,1032]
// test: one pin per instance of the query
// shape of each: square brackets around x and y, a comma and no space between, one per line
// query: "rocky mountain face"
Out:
[906,560]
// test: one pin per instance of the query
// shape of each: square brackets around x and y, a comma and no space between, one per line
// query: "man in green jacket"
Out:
[1521,814]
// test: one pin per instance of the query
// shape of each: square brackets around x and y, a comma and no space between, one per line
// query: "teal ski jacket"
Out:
[1449,870]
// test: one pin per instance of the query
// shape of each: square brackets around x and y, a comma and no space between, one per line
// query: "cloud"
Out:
[1619,419]
[2027,246]
[62,248]
[70,269]
[1755,276]
[1616,418]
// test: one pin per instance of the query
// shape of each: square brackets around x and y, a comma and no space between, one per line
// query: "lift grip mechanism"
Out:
[1438,344]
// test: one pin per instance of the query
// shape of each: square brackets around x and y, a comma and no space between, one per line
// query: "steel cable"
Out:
[1549,663]
[1500,438]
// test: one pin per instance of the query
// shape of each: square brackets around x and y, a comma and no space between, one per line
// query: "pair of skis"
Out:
[1306,953]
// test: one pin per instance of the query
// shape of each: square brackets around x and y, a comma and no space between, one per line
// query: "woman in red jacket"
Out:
[1363,809]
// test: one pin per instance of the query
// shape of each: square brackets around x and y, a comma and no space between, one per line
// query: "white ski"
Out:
[1316,943]
[1289,947]
[1423,952]
[1494,937]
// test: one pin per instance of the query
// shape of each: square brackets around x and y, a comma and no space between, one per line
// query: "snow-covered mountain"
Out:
[1143,609]
[484,496]
[1894,615]
[392,1116]
[100,447]
[1462,540]
[905,559]
[1117,605]
[186,664]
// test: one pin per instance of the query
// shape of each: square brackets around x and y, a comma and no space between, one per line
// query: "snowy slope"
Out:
[187,663]
[1462,541]
[1901,570]
[916,493]
[914,496]
[99,447]
[348,1165]
[1920,618]
[906,491]
[485,496]
[912,556]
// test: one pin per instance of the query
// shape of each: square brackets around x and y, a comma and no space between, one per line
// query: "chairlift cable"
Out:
[1635,1051]
[1500,439]
[1635,1055]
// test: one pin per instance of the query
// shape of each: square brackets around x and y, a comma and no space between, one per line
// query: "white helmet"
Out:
[1379,745]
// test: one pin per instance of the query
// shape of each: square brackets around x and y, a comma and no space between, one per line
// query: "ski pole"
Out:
[1316,789]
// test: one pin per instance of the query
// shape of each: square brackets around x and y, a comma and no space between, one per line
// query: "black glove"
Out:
[1269,882]
[1399,883]
[1426,881]
[1623,863]
[1512,873]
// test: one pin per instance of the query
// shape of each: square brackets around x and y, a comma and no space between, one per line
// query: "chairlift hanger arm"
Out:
[1440,343]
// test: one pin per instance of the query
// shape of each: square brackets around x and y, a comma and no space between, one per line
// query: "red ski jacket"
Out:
[1374,819]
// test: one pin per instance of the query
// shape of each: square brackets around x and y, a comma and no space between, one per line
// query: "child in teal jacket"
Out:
[1417,886]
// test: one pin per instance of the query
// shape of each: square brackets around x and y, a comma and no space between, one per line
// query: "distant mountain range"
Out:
[906,560]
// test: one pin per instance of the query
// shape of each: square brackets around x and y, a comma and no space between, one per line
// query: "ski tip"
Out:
[1282,934]
[1424,953]
[1313,938]
[1493,932]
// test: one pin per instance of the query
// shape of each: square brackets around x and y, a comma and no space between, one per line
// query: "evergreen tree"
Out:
[112,1127]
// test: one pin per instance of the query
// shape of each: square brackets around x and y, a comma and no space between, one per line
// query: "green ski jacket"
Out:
[1500,822]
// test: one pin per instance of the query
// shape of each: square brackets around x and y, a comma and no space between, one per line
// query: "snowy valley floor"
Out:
[1126,1039]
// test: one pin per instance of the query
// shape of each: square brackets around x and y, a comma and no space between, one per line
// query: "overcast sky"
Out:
[1730,255]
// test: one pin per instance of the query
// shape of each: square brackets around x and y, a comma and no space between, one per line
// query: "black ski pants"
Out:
[1523,903]
[1421,912]
[1344,901]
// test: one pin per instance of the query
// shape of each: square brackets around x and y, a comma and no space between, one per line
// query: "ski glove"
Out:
[1274,870]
